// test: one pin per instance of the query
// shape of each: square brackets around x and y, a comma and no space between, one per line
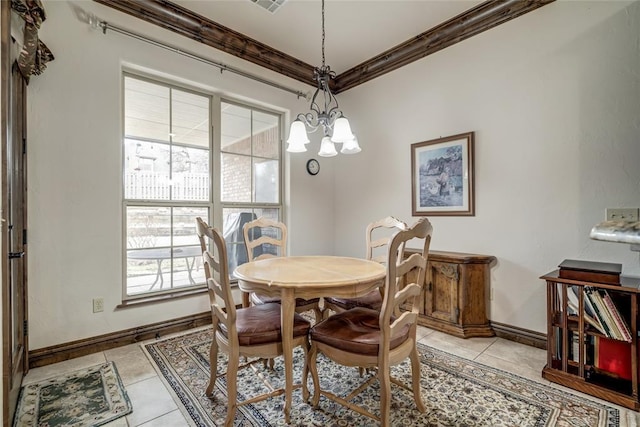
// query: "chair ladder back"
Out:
[398,268]
[387,223]
[219,284]
[253,240]
[202,233]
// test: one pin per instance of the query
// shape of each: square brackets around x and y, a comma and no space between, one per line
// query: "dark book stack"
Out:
[590,271]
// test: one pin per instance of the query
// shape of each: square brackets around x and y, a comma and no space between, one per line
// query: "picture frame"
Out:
[442,182]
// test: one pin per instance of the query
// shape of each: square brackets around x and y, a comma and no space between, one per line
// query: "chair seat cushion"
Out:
[260,324]
[263,299]
[372,300]
[355,331]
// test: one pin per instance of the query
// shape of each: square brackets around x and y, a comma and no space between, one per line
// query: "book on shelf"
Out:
[571,309]
[558,344]
[608,315]
[617,317]
[572,299]
[589,292]
[575,348]
[613,328]
[594,322]
[588,312]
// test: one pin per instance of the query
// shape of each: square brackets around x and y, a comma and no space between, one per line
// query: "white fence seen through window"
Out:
[157,186]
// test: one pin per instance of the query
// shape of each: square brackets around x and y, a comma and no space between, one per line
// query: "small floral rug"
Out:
[87,397]
[456,392]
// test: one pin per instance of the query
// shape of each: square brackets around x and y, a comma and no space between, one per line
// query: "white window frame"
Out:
[214,205]
[256,205]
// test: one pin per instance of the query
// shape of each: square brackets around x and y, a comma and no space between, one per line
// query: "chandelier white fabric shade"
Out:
[351,146]
[297,138]
[296,148]
[342,130]
[329,117]
[327,148]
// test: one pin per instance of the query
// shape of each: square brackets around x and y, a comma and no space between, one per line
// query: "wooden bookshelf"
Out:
[568,332]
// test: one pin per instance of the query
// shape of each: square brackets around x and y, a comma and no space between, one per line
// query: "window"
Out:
[168,177]
[250,172]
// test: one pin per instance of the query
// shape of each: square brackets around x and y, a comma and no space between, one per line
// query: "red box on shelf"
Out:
[613,356]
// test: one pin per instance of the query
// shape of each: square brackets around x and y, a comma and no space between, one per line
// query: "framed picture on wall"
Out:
[442,176]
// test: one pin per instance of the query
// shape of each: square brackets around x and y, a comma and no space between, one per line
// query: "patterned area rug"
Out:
[456,392]
[88,397]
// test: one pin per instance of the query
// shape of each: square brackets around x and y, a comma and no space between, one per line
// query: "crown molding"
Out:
[185,22]
[469,23]
[180,20]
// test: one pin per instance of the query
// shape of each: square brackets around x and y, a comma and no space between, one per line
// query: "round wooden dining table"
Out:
[306,277]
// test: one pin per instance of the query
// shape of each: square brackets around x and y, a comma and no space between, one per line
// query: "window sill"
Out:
[153,299]
[171,296]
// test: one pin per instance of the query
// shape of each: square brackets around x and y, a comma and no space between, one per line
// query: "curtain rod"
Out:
[104,25]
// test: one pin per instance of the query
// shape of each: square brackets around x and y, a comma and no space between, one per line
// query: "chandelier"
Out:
[330,117]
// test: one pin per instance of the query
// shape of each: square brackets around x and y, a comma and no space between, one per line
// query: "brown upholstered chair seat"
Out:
[260,324]
[366,338]
[372,300]
[376,251]
[263,299]
[356,331]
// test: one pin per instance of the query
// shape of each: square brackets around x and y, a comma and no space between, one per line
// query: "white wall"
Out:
[552,96]
[75,169]
[554,100]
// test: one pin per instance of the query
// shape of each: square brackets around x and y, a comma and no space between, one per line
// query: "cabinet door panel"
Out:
[441,294]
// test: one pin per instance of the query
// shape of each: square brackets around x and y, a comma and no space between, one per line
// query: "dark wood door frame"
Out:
[5,26]
[13,225]
[183,21]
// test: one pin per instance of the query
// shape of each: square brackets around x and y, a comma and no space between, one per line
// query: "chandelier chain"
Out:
[325,113]
[322,33]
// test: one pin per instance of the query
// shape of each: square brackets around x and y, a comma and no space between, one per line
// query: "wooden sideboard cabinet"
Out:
[455,293]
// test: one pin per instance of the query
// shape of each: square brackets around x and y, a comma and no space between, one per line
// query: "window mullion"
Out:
[171,185]
[171,135]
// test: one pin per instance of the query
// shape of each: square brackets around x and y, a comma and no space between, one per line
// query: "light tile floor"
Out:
[155,407]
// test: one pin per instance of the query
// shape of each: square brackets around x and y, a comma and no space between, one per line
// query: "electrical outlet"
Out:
[98,305]
[622,214]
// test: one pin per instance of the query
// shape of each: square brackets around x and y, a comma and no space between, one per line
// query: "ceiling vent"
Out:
[270,5]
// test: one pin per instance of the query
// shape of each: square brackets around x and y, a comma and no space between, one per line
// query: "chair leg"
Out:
[213,365]
[232,386]
[305,372]
[246,300]
[385,392]
[415,379]
[270,362]
[313,368]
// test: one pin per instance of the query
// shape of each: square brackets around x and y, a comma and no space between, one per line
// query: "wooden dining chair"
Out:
[202,225]
[265,238]
[363,337]
[376,251]
[250,332]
